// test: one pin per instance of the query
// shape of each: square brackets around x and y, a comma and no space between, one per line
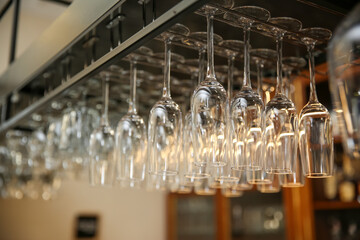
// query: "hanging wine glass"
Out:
[289,64]
[280,121]
[102,143]
[232,49]
[131,139]
[315,129]
[273,187]
[193,171]
[6,169]
[202,187]
[165,121]
[246,108]
[209,103]
[231,192]
[262,57]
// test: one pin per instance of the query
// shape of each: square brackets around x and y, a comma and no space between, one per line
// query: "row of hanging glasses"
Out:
[221,139]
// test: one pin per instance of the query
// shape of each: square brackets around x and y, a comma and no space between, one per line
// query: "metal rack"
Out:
[89,22]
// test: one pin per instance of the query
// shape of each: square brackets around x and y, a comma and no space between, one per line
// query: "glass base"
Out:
[292,185]
[318,175]
[279,171]
[197,176]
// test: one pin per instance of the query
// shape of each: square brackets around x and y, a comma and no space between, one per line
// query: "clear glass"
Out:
[102,144]
[273,187]
[344,58]
[6,171]
[208,107]
[165,121]
[291,64]
[131,140]
[280,122]
[16,142]
[316,142]
[77,124]
[246,109]
[262,57]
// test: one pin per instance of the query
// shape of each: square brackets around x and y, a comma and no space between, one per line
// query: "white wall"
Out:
[125,214]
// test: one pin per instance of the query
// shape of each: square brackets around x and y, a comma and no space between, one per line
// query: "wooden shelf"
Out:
[329,205]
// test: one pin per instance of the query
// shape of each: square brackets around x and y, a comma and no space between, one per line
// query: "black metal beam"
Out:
[5,8]
[14,30]
[63,2]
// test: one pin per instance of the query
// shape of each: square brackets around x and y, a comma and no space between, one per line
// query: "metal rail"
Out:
[138,39]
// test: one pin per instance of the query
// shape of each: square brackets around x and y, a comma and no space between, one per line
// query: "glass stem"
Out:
[246,80]
[210,45]
[259,70]
[202,52]
[166,88]
[313,95]
[133,80]
[231,59]
[105,89]
[279,84]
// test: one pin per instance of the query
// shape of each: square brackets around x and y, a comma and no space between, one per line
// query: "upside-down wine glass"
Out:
[209,103]
[131,139]
[247,108]
[165,121]
[262,58]
[280,121]
[316,141]
[102,143]
[193,171]
[289,64]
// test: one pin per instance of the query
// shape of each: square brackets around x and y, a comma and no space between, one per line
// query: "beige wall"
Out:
[125,214]
[35,17]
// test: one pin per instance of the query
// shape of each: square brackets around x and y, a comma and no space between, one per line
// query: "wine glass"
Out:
[131,139]
[232,49]
[208,105]
[246,108]
[315,129]
[273,186]
[102,143]
[280,121]
[343,58]
[6,166]
[165,121]
[289,64]
[194,171]
[262,58]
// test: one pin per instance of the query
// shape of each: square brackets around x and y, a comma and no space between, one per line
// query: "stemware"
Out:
[16,142]
[102,143]
[6,168]
[131,139]
[291,63]
[315,129]
[273,186]
[343,58]
[280,121]
[232,49]
[246,108]
[165,121]
[208,105]
[194,171]
[262,57]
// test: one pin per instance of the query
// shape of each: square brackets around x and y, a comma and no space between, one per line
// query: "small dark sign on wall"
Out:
[87,227]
